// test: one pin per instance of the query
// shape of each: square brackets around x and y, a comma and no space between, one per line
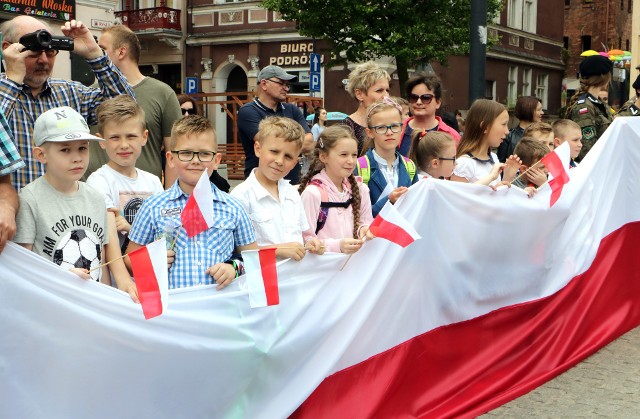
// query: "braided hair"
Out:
[327,140]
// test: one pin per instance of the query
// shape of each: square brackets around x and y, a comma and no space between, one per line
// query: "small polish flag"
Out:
[197,215]
[150,271]
[391,225]
[262,277]
[583,111]
[558,163]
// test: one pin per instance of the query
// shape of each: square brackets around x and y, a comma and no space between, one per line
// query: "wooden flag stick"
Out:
[526,171]
[105,264]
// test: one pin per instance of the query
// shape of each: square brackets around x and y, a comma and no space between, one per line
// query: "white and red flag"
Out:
[392,226]
[262,277]
[197,215]
[558,162]
[150,271]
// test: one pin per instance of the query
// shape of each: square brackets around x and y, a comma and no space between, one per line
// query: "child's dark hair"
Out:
[480,117]
[530,150]
[426,146]
[325,143]
[316,115]
[526,108]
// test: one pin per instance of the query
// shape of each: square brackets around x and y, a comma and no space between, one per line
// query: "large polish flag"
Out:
[150,272]
[505,294]
[197,215]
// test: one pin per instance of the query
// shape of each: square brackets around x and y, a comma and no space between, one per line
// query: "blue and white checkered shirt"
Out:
[21,108]
[160,216]
[10,160]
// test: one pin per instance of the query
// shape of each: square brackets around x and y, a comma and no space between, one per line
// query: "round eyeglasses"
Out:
[188,155]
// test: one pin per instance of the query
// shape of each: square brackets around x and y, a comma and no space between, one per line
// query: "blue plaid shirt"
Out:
[21,108]
[160,216]
[10,160]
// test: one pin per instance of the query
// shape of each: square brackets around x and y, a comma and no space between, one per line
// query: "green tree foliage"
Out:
[359,30]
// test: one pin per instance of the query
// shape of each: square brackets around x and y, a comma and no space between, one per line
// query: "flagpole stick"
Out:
[526,171]
[105,264]
[347,261]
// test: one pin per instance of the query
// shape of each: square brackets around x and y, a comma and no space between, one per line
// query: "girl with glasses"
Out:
[486,126]
[367,83]
[386,172]
[434,153]
[424,94]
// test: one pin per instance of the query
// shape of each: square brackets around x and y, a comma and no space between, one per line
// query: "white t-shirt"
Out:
[124,193]
[473,169]
[275,221]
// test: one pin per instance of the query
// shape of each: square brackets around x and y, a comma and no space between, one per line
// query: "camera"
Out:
[42,40]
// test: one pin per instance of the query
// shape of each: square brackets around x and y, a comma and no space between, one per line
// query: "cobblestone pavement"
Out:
[605,385]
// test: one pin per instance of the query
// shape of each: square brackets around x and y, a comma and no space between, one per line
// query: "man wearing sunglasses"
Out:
[424,94]
[272,89]
[26,89]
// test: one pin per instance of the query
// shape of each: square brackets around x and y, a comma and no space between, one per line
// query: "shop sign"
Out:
[48,9]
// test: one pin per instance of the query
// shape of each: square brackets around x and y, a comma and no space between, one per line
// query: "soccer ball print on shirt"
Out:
[80,249]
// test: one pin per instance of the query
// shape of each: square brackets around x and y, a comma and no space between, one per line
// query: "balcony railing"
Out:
[159,18]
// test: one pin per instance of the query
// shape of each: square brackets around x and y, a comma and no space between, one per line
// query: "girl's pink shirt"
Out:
[339,224]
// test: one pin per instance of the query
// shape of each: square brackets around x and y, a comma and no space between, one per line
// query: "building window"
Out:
[526,82]
[490,89]
[626,44]
[514,14]
[621,4]
[541,89]
[586,42]
[512,87]
[565,42]
[629,9]
[567,3]
[529,15]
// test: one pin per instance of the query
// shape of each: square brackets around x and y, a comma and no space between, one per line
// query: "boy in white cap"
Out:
[61,218]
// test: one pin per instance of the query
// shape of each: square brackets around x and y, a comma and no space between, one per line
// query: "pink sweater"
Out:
[339,224]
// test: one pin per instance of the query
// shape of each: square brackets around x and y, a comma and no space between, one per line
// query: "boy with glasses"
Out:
[206,257]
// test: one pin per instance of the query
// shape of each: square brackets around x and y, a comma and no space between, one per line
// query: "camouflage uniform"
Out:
[593,117]
[629,108]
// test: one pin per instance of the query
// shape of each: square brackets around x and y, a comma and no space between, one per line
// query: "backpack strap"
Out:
[325,204]
[410,166]
[364,168]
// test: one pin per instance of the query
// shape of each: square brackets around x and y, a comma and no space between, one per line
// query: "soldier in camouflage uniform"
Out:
[632,106]
[585,108]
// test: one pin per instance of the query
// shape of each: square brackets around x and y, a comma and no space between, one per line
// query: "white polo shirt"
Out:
[275,221]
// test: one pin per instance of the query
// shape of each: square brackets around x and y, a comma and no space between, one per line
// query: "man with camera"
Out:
[26,89]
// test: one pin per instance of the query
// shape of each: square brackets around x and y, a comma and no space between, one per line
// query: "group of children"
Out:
[80,226]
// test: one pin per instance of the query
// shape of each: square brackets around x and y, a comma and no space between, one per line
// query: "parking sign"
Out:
[191,85]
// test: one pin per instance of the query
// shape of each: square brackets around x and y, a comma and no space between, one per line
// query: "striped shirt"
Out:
[159,216]
[10,160]
[21,108]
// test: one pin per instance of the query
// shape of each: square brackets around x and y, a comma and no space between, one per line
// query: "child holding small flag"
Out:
[58,216]
[204,258]
[274,205]
[337,206]
[532,175]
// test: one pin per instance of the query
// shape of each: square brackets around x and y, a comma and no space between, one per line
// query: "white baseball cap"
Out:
[59,125]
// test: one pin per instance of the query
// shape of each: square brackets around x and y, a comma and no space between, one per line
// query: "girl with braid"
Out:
[338,207]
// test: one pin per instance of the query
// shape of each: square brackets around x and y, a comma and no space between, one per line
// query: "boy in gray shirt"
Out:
[61,218]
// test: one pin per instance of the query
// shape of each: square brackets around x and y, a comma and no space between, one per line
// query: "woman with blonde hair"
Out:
[367,84]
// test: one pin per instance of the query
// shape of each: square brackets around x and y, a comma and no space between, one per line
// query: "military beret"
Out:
[595,65]
[636,84]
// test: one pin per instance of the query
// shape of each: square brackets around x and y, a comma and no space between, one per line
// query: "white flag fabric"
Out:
[480,310]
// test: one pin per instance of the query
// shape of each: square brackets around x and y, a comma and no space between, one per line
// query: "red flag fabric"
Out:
[197,215]
[262,277]
[392,226]
[150,272]
[557,162]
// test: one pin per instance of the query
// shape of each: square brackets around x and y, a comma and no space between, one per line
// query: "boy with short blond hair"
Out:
[568,130]
[207,257]
[275,207]
[58,216]
[530,151]
[542,132]
[121,123]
